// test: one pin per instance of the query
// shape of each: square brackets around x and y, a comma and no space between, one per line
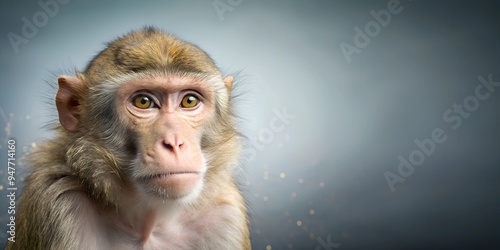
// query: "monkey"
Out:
[143,155]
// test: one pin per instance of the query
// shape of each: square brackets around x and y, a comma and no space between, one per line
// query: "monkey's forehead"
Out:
[166,77]
[148,49]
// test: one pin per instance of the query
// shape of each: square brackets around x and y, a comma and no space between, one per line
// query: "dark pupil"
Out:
[144,100]
[190,99]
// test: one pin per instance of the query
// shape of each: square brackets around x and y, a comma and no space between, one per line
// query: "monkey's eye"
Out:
[189,101]
[143,102]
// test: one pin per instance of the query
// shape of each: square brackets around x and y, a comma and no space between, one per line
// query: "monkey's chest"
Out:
[193,232]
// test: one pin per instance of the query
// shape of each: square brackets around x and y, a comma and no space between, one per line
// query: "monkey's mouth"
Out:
[168,174]
[177,182]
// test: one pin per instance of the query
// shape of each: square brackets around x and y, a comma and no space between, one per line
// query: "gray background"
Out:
[321,177]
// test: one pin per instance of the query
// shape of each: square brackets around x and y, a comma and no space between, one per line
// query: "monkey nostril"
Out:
[168,146]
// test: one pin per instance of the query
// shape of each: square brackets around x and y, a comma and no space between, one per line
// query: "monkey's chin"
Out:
[174,186]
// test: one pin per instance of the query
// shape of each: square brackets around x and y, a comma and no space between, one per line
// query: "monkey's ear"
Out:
[228,81]
[67,101]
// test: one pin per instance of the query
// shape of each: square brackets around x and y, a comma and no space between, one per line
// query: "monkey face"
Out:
[166,114]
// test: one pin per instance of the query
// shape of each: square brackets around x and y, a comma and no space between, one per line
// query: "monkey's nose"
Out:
[173,143]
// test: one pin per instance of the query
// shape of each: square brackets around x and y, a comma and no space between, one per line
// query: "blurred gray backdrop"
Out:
[369,124]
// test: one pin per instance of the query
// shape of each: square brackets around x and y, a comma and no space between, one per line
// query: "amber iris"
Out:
[143,102]
[189,101]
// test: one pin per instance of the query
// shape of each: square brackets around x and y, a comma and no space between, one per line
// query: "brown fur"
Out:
[148,49]
[93,162]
